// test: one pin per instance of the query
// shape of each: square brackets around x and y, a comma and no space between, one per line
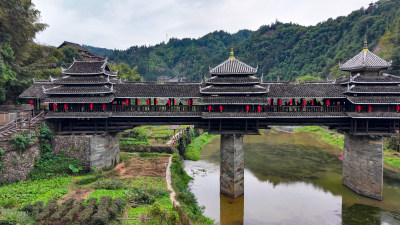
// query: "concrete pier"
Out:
[232,165]
[363,165]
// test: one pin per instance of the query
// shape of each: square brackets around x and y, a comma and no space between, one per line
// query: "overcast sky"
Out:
[120,24]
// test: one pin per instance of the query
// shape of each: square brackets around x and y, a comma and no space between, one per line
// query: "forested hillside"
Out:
[286,50]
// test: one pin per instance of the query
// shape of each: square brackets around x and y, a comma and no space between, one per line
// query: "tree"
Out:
[125,72]
[308,78]
[70,53]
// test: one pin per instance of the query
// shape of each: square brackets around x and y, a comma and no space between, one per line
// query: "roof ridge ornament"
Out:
[262,77]
[365,49]
[231,56]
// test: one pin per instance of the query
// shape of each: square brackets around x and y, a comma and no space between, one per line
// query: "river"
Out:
[290,178]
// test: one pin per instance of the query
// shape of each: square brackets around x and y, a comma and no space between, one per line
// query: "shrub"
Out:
[62,209]
[88,180]
[10,216]
[21,141]
[72,214]
[48,210]
[123,143]
[88,211]
[110,184]
[140,195]
[102,216]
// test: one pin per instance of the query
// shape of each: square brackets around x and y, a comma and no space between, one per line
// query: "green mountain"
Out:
[99,51]
[284,50]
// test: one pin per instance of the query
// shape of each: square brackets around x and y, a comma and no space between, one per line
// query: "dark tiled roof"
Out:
[233,80]
[86,67]
[374,99]
[53,115]
[258,100]
[233,66]
[234,89]
[154,90]
[156,114]
[217,115]
[36,90]
[365,60]
[79,99]
[81,80]
[384,78]
[377,115]
[75,45]
[111,73]
[306,90]
[374,89]
[79,89]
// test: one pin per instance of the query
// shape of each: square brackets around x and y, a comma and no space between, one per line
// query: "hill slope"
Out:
[286,50]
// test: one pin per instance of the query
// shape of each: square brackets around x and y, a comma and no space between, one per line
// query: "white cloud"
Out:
[124,23]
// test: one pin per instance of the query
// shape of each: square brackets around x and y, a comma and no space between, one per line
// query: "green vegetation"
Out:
[194,148]
[11,216]
[21,141]
[331,137]
[1,155]
[29,192]
[180,183]
[50,164]
[392,161]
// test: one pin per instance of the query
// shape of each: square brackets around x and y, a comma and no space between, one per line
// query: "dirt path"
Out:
[143,167]
[169,184]
[77,194]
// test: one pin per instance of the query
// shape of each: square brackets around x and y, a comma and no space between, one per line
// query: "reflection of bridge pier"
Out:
[363,165]
[231,210]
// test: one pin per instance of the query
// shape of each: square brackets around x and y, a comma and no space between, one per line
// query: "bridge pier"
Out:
[232,165]
[363,165]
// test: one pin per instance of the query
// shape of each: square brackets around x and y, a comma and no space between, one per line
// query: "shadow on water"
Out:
[290,179]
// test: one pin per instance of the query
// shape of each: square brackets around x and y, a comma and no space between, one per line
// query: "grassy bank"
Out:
[180,183]
[333,138]
[193,149]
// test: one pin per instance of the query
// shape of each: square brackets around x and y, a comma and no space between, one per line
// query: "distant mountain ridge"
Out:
[284,50]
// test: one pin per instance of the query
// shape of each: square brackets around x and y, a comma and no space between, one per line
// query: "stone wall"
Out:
[232,165]
[101,151]
[17,166]
[363,165]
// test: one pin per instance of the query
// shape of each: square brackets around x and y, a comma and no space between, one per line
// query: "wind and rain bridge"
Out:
[88,106]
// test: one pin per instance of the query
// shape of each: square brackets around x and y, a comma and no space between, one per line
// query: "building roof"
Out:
[365,60]
[305,90]
[374,89]
[375,115]
[79,99]
[233,80]
[234,89]
[89,68]
[83,80]
[217,115]
[79,89]
[156,90]
[232,66]
[374,99]
[93,114]
[380,79]
[36,90]
[75,45]
[253,100]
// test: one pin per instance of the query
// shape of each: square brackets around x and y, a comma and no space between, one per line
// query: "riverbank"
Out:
[193,149]
[391,157]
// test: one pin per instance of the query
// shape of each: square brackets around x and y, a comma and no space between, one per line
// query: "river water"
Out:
[290,178]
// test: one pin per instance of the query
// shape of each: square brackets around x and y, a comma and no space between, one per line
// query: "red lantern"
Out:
[304,102]
[359,108]
[369,108]
[397,108]
[65,107]
[328,102]
[259,108]
[169,102]
[137,101]
[247,108]
[220,108]
[54,107]
[148,101]
[122,103]
[338,103]
[174,102]
[156,101]
[189,102]
[31,102]
[270,101]
[103,106]
[312,101]
[114,103]
[91,106]
[280,102]
[209,108]
[291,101]
[127,101]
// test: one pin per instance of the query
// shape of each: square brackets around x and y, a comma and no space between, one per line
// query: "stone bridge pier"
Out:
[232,165]
[363,165]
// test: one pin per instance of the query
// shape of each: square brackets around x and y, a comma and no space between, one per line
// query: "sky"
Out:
[119,24]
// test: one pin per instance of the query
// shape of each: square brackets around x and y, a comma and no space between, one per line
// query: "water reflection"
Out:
[290,179]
